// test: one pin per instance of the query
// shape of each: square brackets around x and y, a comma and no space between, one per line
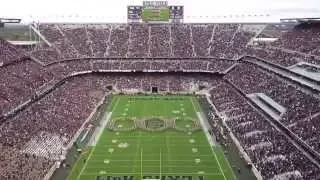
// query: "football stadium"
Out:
[164,92]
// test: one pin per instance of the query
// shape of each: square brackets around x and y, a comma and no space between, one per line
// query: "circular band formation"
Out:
[185,124]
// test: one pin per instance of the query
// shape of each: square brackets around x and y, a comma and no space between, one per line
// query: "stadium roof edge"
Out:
[201,11]
[23,43]
[313,20]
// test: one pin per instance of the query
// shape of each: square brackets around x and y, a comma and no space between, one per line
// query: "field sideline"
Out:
[148,137]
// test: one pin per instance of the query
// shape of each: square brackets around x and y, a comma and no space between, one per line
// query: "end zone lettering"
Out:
[150,177]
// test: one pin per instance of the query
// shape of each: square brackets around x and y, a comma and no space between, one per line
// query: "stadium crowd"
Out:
[9,54]
[228,41]
[77,48]
[61,113]
[281,57]
[271,152]
[303,38]
[301,108]
[19,82]
[161,40]
[292,45]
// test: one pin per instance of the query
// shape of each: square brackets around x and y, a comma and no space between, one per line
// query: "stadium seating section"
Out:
[48,92]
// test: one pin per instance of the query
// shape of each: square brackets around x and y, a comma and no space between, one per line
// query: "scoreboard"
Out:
[155,12]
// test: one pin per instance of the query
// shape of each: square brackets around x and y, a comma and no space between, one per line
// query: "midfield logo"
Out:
[150,178]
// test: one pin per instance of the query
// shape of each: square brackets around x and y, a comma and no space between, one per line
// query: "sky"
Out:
[195,10]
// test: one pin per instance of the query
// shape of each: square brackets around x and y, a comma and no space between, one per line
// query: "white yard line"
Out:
[191,160]
[168,150]
[135,137]
[115,105]
[234,176]
[151,155]
[141,153]
[157,166]
[160,164]
[97,138]
[137,173]
[86,163]
[210,143]
[180,144]
[167,144]
[216,111]
[194,108]
[138,147]
[137,153]
[205,130]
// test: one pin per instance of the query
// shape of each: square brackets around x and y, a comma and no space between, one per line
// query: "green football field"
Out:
[153,137]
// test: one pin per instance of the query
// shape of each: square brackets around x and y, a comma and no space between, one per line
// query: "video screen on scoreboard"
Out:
[155,11]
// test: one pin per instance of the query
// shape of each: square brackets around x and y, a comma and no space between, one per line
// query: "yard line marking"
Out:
[134,137]
[154,166]
[135,173]
[194,108]
[94,147]
[163,144]
[141,153]
[168,163]
[204,129]
[150,155]
[137,153]
[168,150]
[187,160]
[160,163]
[85,164]
[215,155]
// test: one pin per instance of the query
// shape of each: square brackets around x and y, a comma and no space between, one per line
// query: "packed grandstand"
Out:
[266,93]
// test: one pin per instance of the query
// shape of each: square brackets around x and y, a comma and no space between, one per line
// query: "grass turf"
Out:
[141,154]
